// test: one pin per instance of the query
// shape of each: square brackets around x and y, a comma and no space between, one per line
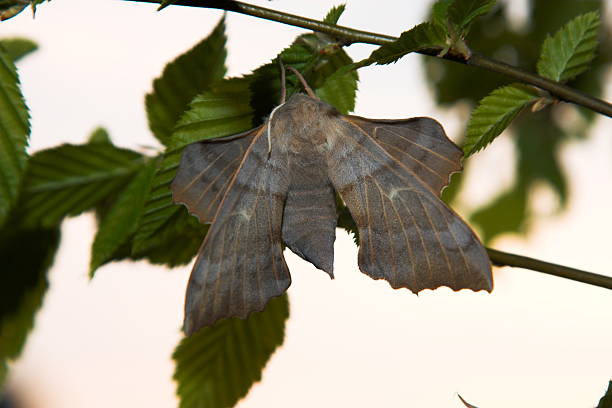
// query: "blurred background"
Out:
[542,190]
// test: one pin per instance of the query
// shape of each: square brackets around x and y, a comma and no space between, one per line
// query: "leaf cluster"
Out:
[564,56]
[235,105]
[539,135]
[26,253]
[129,194]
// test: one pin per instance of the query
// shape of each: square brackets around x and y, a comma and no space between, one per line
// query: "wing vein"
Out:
[420,233]
[212,183]
[201,173]
[463,257]
[436,233]
[215,293]
[393,160]
[388,229]
[408,244]
[432,171]
[421,146]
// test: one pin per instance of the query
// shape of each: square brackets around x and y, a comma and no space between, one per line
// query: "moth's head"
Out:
[304,120]
[306,108]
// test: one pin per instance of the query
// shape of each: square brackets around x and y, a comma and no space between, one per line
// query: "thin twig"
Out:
[500,258]
[350,36]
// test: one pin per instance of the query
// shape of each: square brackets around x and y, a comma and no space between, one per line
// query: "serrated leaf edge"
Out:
[503,104]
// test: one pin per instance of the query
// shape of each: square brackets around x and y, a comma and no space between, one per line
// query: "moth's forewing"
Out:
[241,265]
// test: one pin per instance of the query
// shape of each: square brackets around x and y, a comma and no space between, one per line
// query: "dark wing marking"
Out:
[205,172]
[420,144]
[408,236]
[240,265]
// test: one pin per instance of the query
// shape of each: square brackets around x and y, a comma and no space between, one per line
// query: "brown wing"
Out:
[420,144]
[205,172]
[408,236]
[240,265]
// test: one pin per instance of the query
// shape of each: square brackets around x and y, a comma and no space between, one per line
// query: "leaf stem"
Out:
[350,36]
[500,258]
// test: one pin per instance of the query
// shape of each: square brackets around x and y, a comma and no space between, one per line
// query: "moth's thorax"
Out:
[302,123]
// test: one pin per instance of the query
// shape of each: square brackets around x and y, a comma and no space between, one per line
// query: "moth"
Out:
[277,184]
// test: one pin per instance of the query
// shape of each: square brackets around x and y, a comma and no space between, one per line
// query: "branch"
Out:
[500,258]
[351,36]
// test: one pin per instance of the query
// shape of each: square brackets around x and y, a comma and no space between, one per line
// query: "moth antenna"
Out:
[282,102]
[283,82]
[304,83]
[270,128]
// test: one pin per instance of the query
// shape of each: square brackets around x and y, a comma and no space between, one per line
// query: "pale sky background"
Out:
[535,341]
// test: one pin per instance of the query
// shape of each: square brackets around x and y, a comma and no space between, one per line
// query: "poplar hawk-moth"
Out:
[277,184]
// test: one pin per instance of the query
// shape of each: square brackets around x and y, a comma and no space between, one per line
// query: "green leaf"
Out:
[70,179]
[461,13]
[184,78]
[217,366]
[17,48]
[339,88]
[346,221]
[176,243]
[10,8]
[538,143]
[26,256]
[506,213]
[439,13]
[420,37]
[494,114]
[223,111]
[14,131]
[100,135]
[606,400]
[123,218]
[449,193]
[265,81]
[334,14]
[570,51]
